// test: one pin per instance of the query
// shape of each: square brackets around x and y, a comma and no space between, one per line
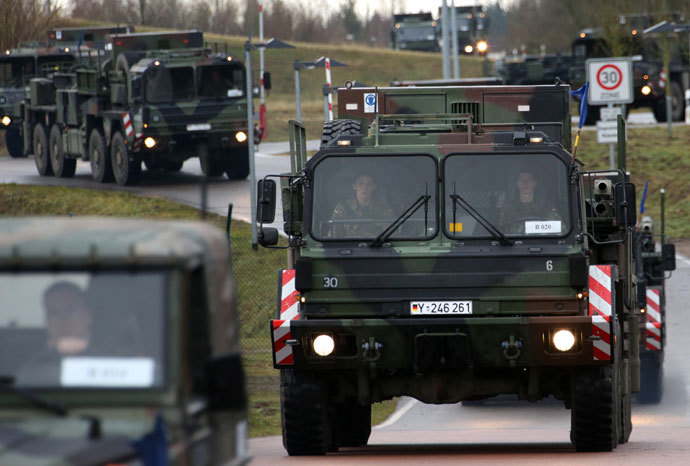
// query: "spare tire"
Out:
[332,130]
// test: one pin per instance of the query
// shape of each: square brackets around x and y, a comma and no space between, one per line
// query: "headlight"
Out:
[241,136]
[564,340]
[646,90]
[323,345]
[468,49]
[6,120]
[482,46]
[149,142]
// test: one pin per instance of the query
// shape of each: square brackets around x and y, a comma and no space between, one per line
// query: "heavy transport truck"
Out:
[30,60]
[415,31]
[444,244]
[158,98]
[655,258]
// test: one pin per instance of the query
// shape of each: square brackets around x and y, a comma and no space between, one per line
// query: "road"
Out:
[183,187]
[526,433]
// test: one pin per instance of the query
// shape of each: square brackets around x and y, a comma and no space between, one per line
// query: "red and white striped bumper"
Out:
[654,320]
[289,311]
[601,299]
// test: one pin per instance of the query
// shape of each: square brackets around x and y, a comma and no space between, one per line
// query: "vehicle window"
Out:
[417,32]
[169,84]
[80,330]
[220,81]
[527,196]
[16,71]
[359,197]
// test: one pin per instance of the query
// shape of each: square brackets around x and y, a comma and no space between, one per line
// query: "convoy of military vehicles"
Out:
[444,244]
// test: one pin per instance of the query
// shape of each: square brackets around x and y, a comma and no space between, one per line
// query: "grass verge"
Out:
[255,274]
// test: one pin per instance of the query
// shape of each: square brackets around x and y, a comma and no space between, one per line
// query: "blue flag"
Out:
[644,196]
[153,447]
[581,95]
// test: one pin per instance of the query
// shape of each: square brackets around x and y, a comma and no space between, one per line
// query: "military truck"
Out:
[655,257]
[415,31]
[648,79]
[120,344]
[473,27]
[416,267]
[31,60]
[160,98]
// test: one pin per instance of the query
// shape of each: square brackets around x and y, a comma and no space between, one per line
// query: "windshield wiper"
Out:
[7,383]
[422,200]
[495,232]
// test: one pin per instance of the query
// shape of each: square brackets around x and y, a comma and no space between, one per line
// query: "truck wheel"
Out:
[212,163]
[332,130]
[173,166]
[353,424]
[99,157]
[237,167]
[304,410]
[62,166]
[595,412]
[41,151]
[14,142]
[677,105]
[651,378]
[126,170]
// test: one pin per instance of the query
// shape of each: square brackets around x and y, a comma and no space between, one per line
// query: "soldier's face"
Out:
[526,183]
[68,322]
[364,187]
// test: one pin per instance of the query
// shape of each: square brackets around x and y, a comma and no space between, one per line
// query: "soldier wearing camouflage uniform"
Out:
[363,206]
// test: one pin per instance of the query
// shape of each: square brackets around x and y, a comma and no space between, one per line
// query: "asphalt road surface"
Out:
[505,432]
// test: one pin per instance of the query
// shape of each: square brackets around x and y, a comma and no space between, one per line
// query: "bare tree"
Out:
[24,20]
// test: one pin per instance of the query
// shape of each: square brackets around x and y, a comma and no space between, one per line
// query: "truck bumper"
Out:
[431,344]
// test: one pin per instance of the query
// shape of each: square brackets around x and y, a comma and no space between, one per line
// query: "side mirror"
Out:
[668,256]
[624,194]
[225,383]
[641,294]
[137,89]
[266,205]
[267,236]
[267,80]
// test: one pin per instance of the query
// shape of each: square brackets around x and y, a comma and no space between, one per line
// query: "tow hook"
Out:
[511,348]
[371,350]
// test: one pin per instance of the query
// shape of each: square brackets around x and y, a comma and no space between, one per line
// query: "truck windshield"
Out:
[417,33]
[82,330]
[220,81]
[170,84]
[16,71]
[359,197]
[520,195]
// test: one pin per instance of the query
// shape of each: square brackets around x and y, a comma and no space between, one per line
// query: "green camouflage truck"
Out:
[655,256]
[119,344]
[18,66]
[415,31]
[158,98]
[444,245]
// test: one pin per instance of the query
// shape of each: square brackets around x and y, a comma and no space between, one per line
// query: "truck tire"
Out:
[14,142]
[677,104]
[62,166]
[126,169]
[237,167]
[595,411]
[99,158]
[211,162]
[304,412]
[353,424]
[332,130]
[41,151]
[651,378]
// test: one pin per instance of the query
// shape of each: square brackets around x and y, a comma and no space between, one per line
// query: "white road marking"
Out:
[395,417]
[683,259]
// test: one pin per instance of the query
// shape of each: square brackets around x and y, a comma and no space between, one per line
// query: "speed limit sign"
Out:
[610,81]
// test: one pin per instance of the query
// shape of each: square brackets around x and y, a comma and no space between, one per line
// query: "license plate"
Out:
[436,308]
[199,127]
